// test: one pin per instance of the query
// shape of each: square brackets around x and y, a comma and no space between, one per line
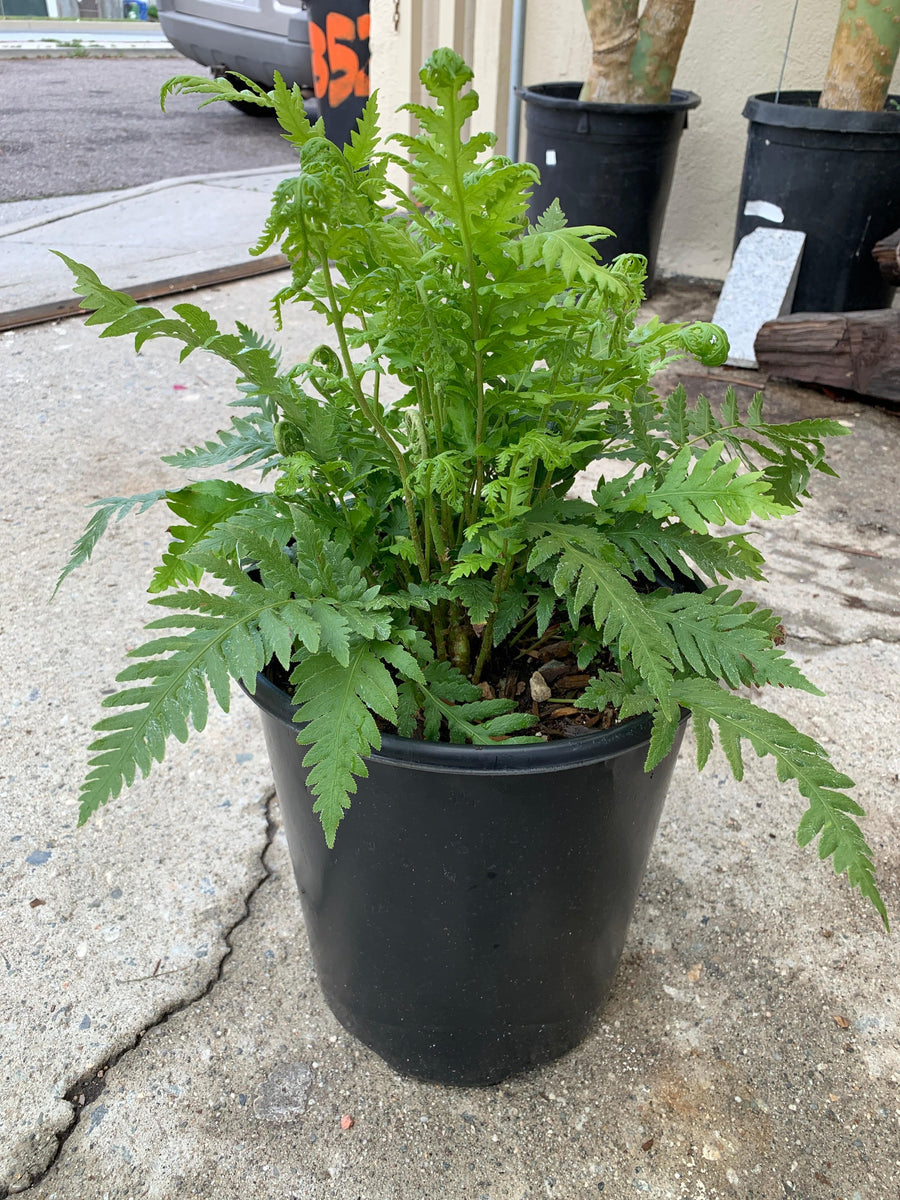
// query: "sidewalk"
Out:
[52,38]
[173,234]
[163,1035]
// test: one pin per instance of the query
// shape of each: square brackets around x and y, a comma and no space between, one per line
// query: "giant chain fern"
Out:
[405,546]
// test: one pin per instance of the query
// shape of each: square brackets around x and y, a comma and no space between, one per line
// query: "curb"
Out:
[159,50]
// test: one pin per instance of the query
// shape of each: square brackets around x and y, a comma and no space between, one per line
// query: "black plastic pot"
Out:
[339,42]
[470,918]
[607,164]
[834,175]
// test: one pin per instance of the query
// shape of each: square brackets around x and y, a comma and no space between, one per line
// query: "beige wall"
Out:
[734,49]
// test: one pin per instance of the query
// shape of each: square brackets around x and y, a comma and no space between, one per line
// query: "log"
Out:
[887,254]
[854,351]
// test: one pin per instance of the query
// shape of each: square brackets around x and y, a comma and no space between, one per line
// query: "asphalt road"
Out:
[69,126]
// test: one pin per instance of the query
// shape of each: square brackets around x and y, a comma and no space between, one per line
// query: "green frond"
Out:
[215,89]
[228,636]
[724,637]
[291,114]
[447,696]
[365,137]
[335,702]
[711,493]
[476,596]
[247,442]
[112,506]
[202,506]
[657,550]
[584,575]
[798,757]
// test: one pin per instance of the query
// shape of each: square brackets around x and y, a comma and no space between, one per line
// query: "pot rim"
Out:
[540,95]
[451,758]
[797,110]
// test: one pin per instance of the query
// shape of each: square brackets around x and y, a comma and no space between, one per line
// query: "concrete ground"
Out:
[162,1034]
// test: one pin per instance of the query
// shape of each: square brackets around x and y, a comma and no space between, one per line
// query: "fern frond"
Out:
[335,702]
[112,506]
[584,575]
[711,493]
[724,637]
[228,636]
[215,89]
[364,138]
[247,442]
[448,696]
[291,114]
[194,328]
[653,548]
[798,757]
[203,506]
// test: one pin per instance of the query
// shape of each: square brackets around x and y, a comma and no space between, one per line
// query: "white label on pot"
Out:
[550,158]
[764,209]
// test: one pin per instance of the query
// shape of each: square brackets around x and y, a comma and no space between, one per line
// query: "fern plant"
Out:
[400,552]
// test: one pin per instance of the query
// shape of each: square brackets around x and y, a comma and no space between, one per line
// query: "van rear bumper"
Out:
[251,52]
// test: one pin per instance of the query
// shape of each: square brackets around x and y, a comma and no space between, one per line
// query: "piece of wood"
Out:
[887,254]
[854,351]
[209,277]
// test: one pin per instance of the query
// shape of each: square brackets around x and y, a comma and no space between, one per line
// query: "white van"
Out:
[253,37]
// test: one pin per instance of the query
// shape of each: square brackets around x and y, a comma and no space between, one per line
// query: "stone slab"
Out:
[759,286]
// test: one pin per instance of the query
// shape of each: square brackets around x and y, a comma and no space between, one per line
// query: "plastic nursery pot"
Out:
[834,175]
[339,42]
[607,164]
[469,920]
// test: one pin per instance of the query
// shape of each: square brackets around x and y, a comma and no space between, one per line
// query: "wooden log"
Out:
[854,351]
[887,254]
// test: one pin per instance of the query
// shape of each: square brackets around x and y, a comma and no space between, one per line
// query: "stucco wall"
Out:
[734,49]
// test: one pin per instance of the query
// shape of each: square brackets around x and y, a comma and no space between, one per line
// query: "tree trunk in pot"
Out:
[633,60]
[863,56]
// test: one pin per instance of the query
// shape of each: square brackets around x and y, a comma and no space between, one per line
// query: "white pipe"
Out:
[517,55]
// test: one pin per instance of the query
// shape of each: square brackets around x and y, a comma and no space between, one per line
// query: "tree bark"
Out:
[614,29]
[863,56]
[663,28]
[855,351]
[633,60]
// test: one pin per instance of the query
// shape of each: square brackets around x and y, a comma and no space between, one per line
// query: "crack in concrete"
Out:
[92,1084]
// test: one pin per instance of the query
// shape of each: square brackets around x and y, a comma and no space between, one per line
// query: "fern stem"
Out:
[337,320]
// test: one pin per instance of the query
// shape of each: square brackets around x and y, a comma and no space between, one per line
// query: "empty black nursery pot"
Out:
[469,920]
[607,164]
[835,176]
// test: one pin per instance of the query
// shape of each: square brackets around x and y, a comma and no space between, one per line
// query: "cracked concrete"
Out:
[88,1090]
[751,1048]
